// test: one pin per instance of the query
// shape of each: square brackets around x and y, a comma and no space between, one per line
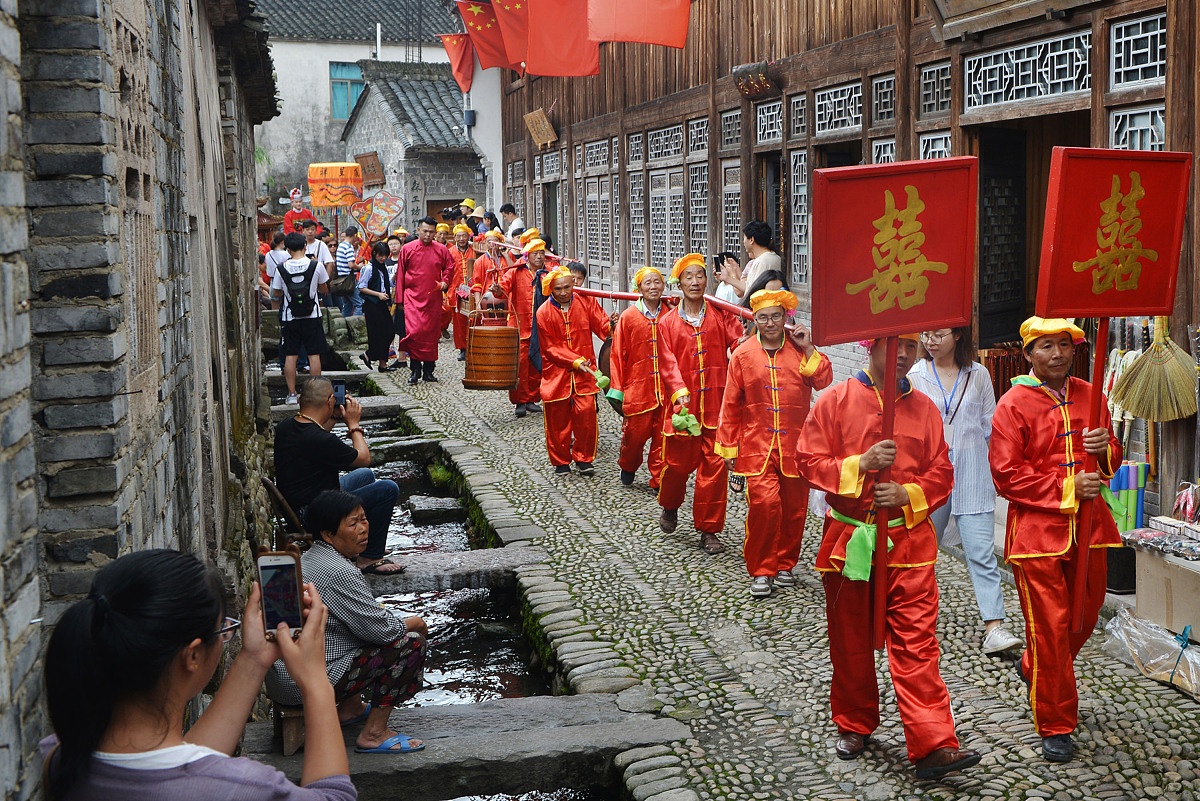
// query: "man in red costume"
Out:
[297,213]
[840,451]
[568,389]
[456,296]
[422,274]
[485,280]
[1039,440]
[645,377]
[517,285]
[701,337]
[767,395]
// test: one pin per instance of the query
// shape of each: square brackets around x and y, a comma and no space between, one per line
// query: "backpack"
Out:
[296,290]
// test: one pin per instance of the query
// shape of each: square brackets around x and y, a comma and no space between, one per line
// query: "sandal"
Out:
[373,568]
[388,746]
[710,543]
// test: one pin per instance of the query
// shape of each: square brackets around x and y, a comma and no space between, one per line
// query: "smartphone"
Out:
[282,591]
[339,392]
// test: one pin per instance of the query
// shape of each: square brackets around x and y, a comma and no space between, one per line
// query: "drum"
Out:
[492,355]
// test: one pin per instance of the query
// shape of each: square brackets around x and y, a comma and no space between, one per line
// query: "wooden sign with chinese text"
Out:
[893,248]
[372,169]
[1113,232]
[335,184]
[540,128]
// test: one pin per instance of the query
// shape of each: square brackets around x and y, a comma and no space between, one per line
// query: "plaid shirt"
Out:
[356,619]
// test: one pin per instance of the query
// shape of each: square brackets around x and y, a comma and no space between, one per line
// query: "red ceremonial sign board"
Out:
[1113,232]
[893,248]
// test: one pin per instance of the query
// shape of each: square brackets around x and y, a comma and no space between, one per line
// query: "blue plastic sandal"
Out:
[359,718]
[386,746]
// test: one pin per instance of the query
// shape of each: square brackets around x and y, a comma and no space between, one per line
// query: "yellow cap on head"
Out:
[641,274]
[532,245]
[400,232]
[530,234]
[690,260]
[462,229]
[470,204]
[557,272]
[443,227]
[766,298]
[493,234]
[1036,327]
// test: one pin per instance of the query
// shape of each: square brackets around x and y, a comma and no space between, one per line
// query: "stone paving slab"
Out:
[457,570]
[373,408]
[353,378]
[752,677]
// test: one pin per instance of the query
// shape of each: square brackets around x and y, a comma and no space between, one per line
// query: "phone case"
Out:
[290,550]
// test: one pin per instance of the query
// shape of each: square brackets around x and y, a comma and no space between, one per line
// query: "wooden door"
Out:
[1002,233]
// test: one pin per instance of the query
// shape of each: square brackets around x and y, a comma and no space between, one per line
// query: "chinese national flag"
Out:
[513,16]
[462,58]
[481,24]
[663,22]
[558,39]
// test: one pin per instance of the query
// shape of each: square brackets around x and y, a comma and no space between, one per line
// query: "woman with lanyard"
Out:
[961,388]
[376,290]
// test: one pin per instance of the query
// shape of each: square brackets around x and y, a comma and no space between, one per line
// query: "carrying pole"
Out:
[879,577]
[1087,509]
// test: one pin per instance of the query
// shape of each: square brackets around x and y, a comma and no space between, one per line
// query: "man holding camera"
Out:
[309,459]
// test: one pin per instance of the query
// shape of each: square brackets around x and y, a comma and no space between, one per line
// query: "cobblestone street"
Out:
[752,677]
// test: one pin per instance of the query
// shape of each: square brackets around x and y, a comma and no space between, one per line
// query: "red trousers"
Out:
[573,417]
[912,650]
[636,432]
[1044,585]
[461,323]
[529,379]
[446,314]
[778,506]
[682,456]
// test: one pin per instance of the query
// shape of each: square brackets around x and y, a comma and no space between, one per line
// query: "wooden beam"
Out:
[905,114]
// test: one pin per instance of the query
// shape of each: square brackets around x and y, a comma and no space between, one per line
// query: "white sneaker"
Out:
[760,587]
[1000,639]
[784,578]
[292,399]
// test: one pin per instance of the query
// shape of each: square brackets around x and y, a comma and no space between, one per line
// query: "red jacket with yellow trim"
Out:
[845,422]
[464,267]
[702,353]
[565,339]
[1036,450]
[766,403]
[486,271]
[644,373]
[517,283]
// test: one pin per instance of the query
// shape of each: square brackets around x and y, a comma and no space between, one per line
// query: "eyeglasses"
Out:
[768,318]
[934,336]
[226,631]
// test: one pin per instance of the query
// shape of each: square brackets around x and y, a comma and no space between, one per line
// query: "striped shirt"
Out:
[356,619]
[345,258]
[975,402]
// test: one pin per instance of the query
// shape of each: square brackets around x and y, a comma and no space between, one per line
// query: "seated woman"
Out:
[123,664]
[368,648]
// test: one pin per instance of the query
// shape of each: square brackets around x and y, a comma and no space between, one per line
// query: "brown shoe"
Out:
[668,520]
[711,543]
[946,760]
[850,744]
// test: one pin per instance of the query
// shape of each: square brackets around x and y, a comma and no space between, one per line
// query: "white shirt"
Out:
[161,759]
[727,293]
[515,225]
[319,251]
[756,267]
[297,267]
[273,259]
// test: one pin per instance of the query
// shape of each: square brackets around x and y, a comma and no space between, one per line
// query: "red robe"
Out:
[646,378]
[1036,452]
[702,353]
[569,412]
[844,424]
[517,284]
[464,265]
[292,217]
[420,271]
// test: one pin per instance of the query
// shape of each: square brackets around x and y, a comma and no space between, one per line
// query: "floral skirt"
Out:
[391,673]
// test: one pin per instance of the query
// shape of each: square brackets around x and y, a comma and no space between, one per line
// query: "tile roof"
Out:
[354,20]
[423,100]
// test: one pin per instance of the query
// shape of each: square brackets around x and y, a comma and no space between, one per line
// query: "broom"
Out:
[1161,384]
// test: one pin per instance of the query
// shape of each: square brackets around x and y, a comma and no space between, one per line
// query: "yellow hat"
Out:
[529,235]
[690,260]
[462,229]
[1036,327]
[766,298]
[532,245]
[443,227]
[470,204]
[641,274]
[400,232]
[493,234]
[558,271]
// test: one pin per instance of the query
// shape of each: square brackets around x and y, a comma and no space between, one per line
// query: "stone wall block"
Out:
[20,610]
[59,67]
[90,130]
[105,285]
[15,424]
[87,415]
[71,582]
[58,35]
[74,223]
[70,192]
[78,518]
[78,385]
[62,8]
[79,162]
[85,350]
[78,446]
[102,479]
[54,319]
[75,256]
[79,547]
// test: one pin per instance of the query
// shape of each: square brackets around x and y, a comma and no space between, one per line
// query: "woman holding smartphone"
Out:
[123,665]
[375,286]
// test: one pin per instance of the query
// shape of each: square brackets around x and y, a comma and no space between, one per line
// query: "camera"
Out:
[451,213]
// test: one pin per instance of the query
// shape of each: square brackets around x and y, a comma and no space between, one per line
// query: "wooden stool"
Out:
[289,727]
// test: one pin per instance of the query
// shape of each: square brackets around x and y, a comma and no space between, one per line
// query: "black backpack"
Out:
[296,290]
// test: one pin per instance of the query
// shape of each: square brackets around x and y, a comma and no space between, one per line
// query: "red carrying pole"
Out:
[601,293]
[1087,509]
[879,571]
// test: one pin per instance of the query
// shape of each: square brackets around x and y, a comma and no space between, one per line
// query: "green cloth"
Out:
[1114,504]
[686,421]
[603,382]
[861,546]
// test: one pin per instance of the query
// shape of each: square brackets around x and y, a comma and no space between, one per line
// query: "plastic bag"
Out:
[1154,651]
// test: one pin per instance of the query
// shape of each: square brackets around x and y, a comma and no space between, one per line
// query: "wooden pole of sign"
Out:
[879,571]
[1083,527]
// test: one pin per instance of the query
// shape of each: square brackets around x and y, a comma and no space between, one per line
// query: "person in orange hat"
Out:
[701,337]
[645,378]
[767,393]
[841,451]
[441,234]
[1039,440]
[516,283]
[458,295]
[568,386]
[486,293]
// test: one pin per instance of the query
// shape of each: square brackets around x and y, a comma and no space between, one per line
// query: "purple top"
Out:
[210,777]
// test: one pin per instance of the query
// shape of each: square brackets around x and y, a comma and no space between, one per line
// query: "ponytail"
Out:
[117,643]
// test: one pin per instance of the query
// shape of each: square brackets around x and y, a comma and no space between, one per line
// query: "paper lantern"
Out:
[335,184]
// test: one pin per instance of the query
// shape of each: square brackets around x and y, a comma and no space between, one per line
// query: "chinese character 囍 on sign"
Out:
[1119,253]
[900,267]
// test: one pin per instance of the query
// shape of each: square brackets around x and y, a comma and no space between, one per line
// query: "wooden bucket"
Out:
[492,355]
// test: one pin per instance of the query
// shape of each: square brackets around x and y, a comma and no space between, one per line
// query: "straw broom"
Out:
[1161,384]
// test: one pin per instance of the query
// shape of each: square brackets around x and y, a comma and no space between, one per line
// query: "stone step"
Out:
[427,510]
[402,449]
[353,378]
[373,408]
[509,745]
[485,568]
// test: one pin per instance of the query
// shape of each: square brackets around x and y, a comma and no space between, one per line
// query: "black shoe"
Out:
[365,360]
[533,407]
[520,410]
[585,468]
[668,520]
[562,468]
[627,477]
[429,376]
[414,379]
[1058,748]
[462,354]
[946,760]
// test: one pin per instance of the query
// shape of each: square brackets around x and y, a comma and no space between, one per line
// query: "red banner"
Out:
[893,248]
[558,39]
[462,58]
[663,22]
[1113,232]
[485,33]
[513,17]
